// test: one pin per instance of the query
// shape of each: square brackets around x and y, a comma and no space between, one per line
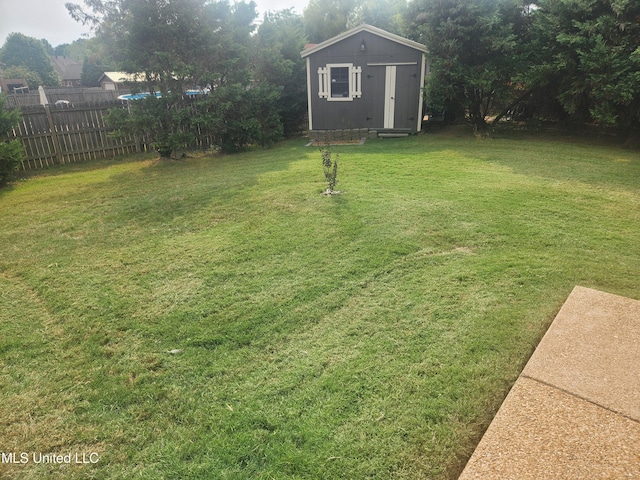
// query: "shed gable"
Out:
[360,29]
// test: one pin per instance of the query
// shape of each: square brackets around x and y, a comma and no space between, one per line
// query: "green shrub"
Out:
[11,152]
[237,117]
[164,121]
[10,157]
[330,167]
[231,117]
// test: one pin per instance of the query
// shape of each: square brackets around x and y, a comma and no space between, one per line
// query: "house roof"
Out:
[67,68]
[5,82]
[122,77]
[363,28]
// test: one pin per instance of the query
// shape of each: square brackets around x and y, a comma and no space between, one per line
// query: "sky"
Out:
[50,20]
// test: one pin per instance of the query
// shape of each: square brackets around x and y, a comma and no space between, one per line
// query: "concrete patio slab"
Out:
[592,350]
[574,412]
[541,432]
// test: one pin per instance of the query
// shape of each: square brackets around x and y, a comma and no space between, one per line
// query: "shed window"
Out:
[340,82]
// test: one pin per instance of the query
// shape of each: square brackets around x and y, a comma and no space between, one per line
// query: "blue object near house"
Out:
[137,96]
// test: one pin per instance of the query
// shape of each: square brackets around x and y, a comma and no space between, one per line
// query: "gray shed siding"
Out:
[368,110]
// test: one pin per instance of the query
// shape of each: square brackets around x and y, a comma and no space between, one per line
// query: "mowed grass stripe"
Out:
[371,334]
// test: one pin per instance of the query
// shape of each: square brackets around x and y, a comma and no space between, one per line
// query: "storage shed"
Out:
[365,79]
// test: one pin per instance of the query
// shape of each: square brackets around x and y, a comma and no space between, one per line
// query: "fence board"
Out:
[57,135]
[77,96]
[53,135]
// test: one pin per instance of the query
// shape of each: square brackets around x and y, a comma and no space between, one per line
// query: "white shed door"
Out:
[389,96]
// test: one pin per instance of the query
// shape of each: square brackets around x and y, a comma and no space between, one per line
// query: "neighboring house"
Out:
[70,71]
[365,78]
[13,85]
[119,80]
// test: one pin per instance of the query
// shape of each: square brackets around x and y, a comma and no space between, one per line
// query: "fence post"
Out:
[54,136]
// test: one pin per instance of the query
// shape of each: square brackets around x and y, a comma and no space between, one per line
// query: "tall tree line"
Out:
[559,60]
[253,76]
[28,58]
[569,60]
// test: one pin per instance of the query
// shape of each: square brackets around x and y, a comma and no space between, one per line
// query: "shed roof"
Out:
[122,77]
[363,28]
[5,82]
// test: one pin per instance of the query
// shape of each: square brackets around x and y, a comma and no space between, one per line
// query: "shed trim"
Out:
[391,64]
[309,102]
[364,28]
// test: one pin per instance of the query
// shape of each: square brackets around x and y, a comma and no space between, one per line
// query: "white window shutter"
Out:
[356,82]
[323,82]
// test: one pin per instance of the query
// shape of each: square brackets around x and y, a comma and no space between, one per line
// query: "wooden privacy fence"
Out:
[77,96]
[54,136]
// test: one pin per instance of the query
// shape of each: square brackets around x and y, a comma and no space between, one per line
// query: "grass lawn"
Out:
[367,335]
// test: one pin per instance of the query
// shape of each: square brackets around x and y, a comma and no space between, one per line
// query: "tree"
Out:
[237,117]
[94,53]
[185,44]
[590,61]
[11,152]
[163,120]
[47,47]
[279,41]
[30,53]
[324,19]
[32,78]
[92,71]
[476,54]
[97,50]
[385,14]
[158,39]
[175,43]
[154,37]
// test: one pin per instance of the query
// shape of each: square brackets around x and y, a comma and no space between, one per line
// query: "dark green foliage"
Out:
[264,102]
[47,47]
[160,39]
[385,14]
[280,39]
[92,70]
[227,114]
[31,77]
[187,44]
[30,53]
[230,117]
[324,19]
[475,54]
[8,118]
[95,50]
[164,121]
[10,156]
[572,60]
[11,152]
[590,60]
[236,117]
